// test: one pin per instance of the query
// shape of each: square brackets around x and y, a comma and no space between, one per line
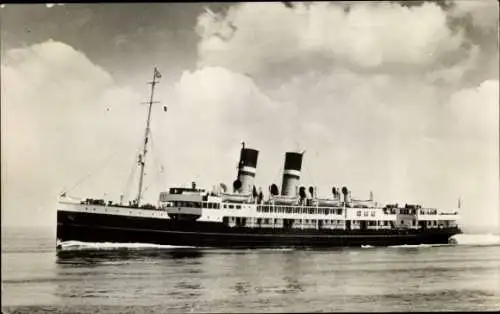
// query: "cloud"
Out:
[213,110]
[475,112]
[371,114]
[364,36]
[404,139]
[67,118]
[61,115]
[402,100]
[483,14]
[473,150]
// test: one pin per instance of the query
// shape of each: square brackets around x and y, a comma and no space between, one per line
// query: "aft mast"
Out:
[142,157]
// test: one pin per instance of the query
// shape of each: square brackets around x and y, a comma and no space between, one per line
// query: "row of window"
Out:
[297,221]
[289,209]
[198,205]
[211,205]
[231,206]
[428,212]
[242,221]
[365,213]
[263,209]
[332,221]
[404,211]
[325,222]
[298,210]
[371,222]
[429,222]
[185,204]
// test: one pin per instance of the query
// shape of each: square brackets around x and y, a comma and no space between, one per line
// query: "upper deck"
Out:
[216,206]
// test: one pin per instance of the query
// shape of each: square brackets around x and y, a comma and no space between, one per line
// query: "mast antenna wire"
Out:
[126,188]
[91,172]
[156,75]
[156,165]
[157,159]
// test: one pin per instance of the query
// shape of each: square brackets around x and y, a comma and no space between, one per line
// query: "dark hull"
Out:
[88,227]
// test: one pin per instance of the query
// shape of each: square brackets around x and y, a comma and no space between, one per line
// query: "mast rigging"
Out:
[142,157]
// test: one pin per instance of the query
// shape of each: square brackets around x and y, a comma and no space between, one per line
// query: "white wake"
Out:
[78,245]
[458,239]
[417,245]
[475,239]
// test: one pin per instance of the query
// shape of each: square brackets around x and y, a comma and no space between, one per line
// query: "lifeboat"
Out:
[236,197]
[284,200]
[328,202]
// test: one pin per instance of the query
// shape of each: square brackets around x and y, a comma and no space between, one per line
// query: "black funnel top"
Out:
[248,157]
[293,161]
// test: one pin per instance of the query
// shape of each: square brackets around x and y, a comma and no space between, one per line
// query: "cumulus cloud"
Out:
[398,99]
[62,115]
[368,132]
[472,150]
[249,37]
[475,111]
[65,118]
[483,14]
[219,109]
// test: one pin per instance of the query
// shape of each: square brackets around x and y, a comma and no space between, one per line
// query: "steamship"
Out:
[293,216]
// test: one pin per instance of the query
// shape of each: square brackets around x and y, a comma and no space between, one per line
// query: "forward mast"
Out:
[142,157]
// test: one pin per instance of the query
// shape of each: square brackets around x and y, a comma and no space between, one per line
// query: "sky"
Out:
[398,98]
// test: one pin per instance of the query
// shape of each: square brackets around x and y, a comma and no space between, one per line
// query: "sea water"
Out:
[142,278]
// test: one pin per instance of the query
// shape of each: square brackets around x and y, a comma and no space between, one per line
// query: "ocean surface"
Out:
[139,278]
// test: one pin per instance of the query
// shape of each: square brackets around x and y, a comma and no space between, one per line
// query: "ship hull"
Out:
[90,227]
